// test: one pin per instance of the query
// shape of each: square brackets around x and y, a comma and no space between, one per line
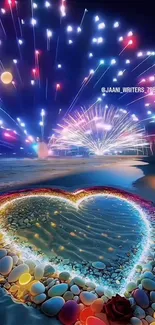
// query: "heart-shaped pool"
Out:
[99,233]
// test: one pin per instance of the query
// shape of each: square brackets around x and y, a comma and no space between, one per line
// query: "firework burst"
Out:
[100,130]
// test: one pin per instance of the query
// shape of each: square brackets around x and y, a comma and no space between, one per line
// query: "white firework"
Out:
[100,130]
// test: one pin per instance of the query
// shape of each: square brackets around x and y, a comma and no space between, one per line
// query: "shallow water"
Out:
[101,228]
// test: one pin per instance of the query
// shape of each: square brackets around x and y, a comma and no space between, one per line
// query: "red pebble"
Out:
[85,313]
[92,320]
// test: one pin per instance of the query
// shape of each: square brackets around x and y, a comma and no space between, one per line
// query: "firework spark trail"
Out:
[4,31]
[136,100]
[102,76]
[84,84]
[146,70]
[141,63]
[100,130]
[14,25]
[83,17]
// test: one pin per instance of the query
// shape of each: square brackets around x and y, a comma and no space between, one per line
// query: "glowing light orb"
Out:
[6,77]
[24,279]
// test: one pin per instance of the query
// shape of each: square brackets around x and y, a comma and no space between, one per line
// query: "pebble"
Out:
[148,274]
[3,252]
[7,285]
[79,281]
[37,289]
[39,299]
[141,298]
[108,293]
[135,321]
[92,320]
[99,265]
[131,286]
[87,298]
[152,296]
[150,319]
[97,305]
[75,289]
[64,276]
[148,284]
[90,284]
[68,295]
[31,265]
[49,270]
[38,272]
[6,264]
[58,290]
[69,313]
[147,267]
[52,306]
[153,306]
[139,312]
[17,272]
[15,259]
[100,290]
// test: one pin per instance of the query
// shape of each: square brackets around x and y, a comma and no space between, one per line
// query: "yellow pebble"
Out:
[25,279]
[14,288]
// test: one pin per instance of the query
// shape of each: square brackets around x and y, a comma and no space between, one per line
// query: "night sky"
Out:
[26,101]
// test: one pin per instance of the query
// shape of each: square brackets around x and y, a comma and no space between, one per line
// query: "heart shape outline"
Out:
[77,197]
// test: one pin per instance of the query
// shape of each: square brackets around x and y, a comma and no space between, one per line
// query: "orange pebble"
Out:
[94,321]
[97,305]
[85,313]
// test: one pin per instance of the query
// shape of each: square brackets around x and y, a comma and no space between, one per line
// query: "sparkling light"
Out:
[69,29]
[15,61]
[70,41]
[3,11]
[100,40]
[49,33]
[101,26]
[33,21]
[120,39]
[47,4]
[59,66]
[79,29]
[113,61]
[20,41]
[130,42]
[139,54]
[127,61]
[116,24]
[97,18]
[35,6]
[42,112]
[94,40]
[114,79]
[130,33]
[90,55]
[120,73]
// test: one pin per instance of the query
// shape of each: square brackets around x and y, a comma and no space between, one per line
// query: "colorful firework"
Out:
[101,130]
[43,60]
